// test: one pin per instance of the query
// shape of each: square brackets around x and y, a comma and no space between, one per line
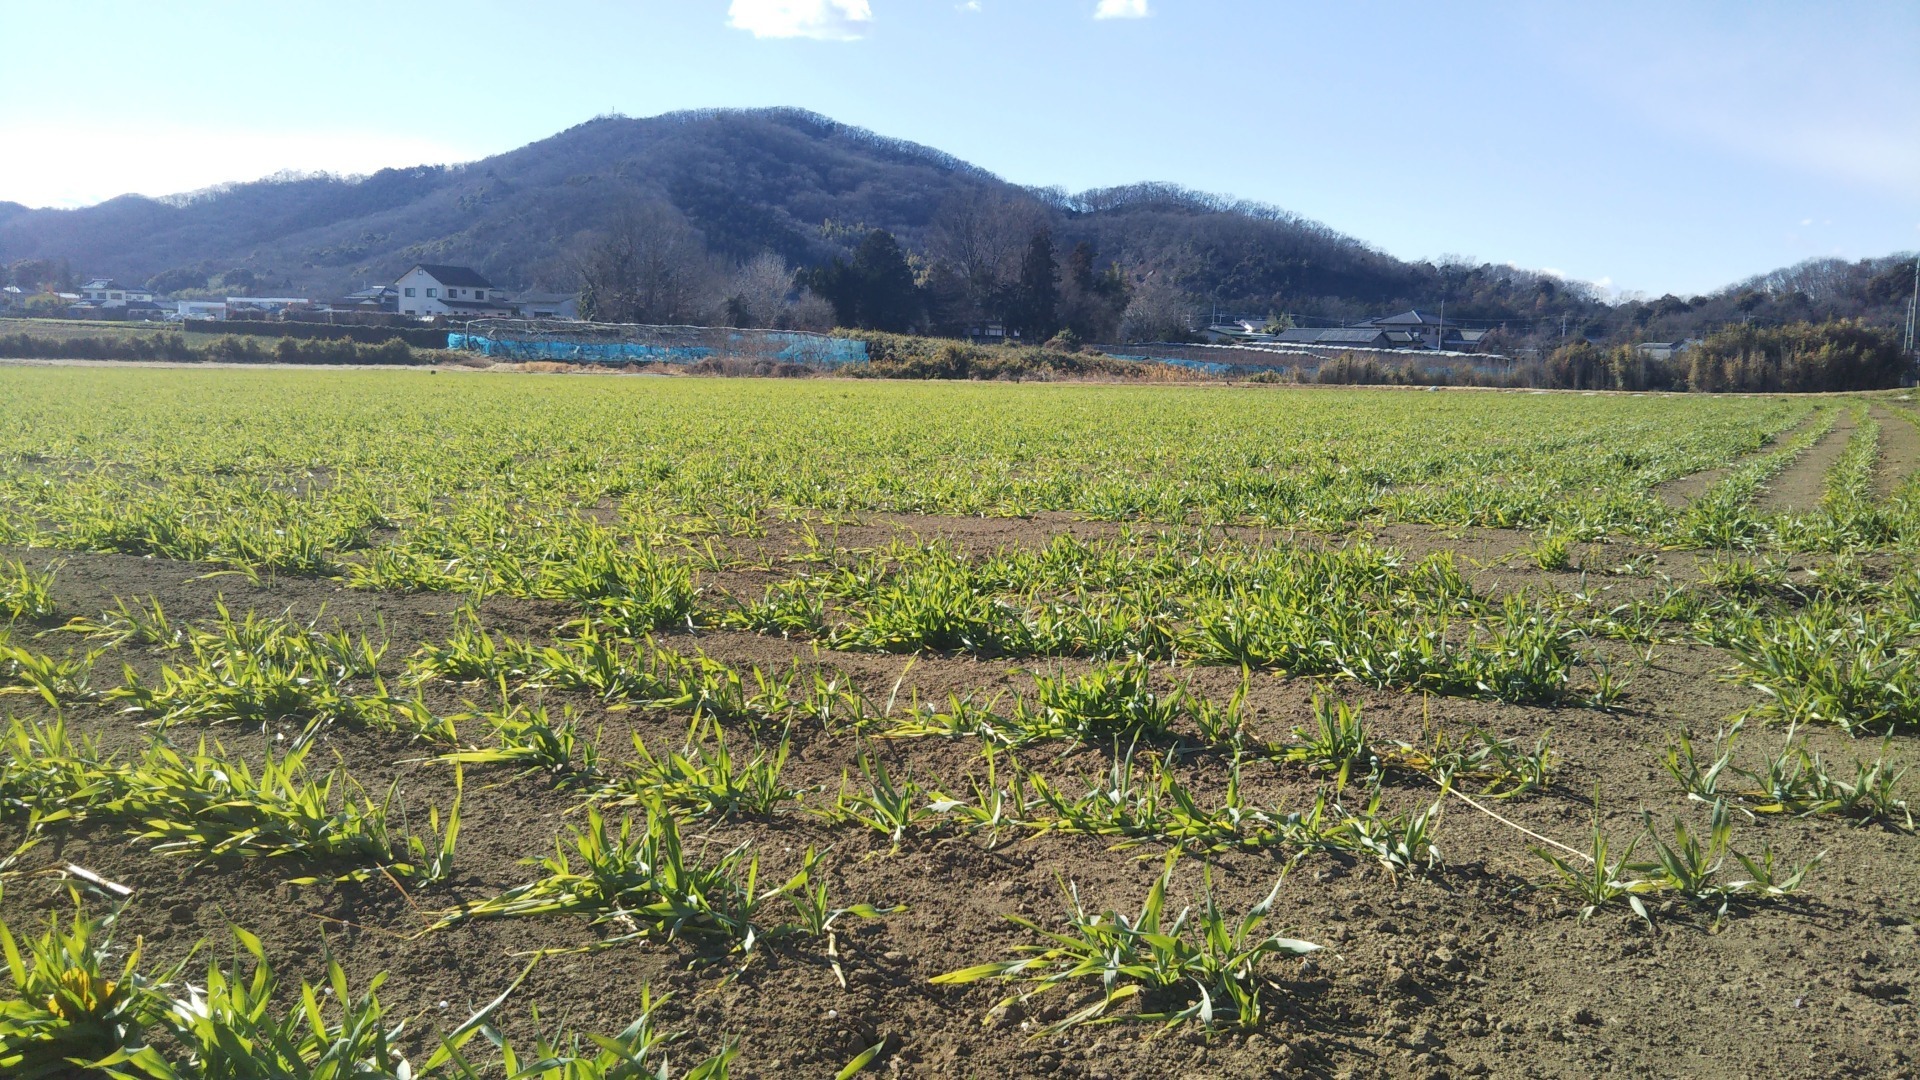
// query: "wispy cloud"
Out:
[822,20]
[969,6]
[1121,9]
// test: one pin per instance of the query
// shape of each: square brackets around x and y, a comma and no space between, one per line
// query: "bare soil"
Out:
[1678,492]
[1471,971]
[1899,449]
[1801,484]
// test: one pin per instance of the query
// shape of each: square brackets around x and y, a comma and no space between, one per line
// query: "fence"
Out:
[620,344]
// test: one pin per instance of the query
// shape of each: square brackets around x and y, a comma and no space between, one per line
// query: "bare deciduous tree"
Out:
[982,237]
[759,292]
[1158,311]
[647,265]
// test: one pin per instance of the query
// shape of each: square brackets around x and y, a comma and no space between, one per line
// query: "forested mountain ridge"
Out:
[785,188]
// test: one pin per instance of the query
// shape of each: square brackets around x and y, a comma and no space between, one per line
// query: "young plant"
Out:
[236,1026]
[25,596]
[886,806]
[532,739]
[69,1012]
[1337,743]
[1599,878]
[635,1053]
[643,882]
[1177,972]
[705,778]
[1113,701]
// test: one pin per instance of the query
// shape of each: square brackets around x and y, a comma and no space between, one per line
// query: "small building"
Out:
[537,305]
[240,307]
[1659,350]
[199,309]
[12,297]
[376,299]
[428,290]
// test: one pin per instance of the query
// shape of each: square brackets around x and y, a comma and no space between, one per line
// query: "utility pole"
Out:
[1913,305]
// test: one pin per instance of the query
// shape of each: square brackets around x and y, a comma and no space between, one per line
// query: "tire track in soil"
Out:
[1801,484]
[1680,491]
[1899,451]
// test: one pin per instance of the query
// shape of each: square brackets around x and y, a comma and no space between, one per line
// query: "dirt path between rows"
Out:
[1677,493]
[1899,450]
[1802,483]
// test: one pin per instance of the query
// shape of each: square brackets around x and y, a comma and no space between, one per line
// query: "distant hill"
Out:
[751,181]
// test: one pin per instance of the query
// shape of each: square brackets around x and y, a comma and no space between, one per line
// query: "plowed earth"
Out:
[1471,970]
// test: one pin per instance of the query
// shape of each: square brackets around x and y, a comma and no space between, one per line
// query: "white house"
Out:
[449,290]
[108,293]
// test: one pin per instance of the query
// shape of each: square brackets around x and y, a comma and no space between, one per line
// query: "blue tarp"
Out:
[1196,365]
[789,347]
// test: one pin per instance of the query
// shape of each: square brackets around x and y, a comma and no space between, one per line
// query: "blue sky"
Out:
[1650,147]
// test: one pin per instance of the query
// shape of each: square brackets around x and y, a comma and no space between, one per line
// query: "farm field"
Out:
[810,728]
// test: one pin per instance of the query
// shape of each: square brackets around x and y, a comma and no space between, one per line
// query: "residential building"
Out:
[102,293]
[535,305]
[1431,331]
[429,290]
[374,299]
[1661,350]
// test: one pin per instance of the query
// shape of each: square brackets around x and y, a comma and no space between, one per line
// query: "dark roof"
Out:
[1346,335]
[463,277]
[480,305]
[1415,317]
[1351,335]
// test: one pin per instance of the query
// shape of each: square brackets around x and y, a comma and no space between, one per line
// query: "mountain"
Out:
[752,181]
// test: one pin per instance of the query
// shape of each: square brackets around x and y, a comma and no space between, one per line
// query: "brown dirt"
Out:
[1800,485]
[1899,450]
[1474,971]
[1678,492]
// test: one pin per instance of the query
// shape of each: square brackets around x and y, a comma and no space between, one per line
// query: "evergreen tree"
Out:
[876,291]
[1034,312]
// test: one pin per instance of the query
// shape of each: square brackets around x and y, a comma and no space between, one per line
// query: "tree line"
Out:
[991,266]
[1834,356]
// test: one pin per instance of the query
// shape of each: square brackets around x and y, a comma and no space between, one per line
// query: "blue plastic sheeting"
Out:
[1195,365]
[778,345]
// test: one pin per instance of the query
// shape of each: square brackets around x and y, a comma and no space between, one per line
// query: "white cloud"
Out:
[822,20]
[77,163]
[1121,9]
[970,6]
